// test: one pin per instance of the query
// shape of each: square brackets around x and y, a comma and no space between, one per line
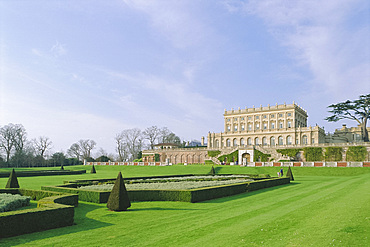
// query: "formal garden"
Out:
[214,206]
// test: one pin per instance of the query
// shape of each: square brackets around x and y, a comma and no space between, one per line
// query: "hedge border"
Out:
[53,210]
[193,195]
[42,173]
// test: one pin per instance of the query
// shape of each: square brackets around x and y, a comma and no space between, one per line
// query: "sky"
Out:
[72,70]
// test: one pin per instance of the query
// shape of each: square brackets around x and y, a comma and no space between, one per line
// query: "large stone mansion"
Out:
[263,128]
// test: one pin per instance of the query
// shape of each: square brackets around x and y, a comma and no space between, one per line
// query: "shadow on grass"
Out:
[82,223]
[247,194]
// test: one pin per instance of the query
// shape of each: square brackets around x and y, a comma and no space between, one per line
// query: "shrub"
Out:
[313,154]
[333,154]
[93,169]
[290,152]
[259,156]
[229,157]
[356,153]
[289,174]
[12,181]
[213,153]
[118,199]
[212,172]
[9,202]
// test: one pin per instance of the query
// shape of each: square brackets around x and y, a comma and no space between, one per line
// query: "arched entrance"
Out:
[246,157]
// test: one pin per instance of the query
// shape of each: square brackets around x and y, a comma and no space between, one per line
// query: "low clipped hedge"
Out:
[42,173]
[51,212]
[83,195]
[193,195]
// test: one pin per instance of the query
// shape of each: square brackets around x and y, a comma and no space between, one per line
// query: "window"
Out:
[228,120]
[249,118]
[249,126]
[264,116]
[272,115]
[228,144]
[228,128]
[272,125]
[242,142]
[264,141]
[235,119]
[281,125]
[235,143]
[280,115]
[217,143]
[264,126]
[243,127]
[257,141]
[289,124]
[280,140]
[289,140]
[313,140]
[272,141]
[304,139]
[257,126]
[242,118]
[289,114]
[249,141]
[257,117]
[235,127]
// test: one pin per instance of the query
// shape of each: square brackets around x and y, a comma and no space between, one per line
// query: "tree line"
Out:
[17,151]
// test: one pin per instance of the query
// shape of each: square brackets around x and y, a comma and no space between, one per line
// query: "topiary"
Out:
[12,181]
[93,169]
[290,174]
[118,199]
[61,167]
[212,172]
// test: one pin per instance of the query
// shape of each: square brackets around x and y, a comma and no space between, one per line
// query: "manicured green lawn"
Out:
[322,207]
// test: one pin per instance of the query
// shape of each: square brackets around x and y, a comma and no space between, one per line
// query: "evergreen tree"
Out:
[61,167]
[290,174]
[12,181]
[118,199]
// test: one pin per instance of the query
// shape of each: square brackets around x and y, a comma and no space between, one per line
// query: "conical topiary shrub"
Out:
[93,169]
[212,172]
[12,181]
[61,167]
[118,199]
[290,174]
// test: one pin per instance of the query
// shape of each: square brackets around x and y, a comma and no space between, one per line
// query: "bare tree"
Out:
[152,134]
[121,147]
[12,136]
[75,151]
[86,147]
[164,132]
[42,144]
[129,143]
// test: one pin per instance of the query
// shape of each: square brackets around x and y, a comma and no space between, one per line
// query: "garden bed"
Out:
[161,194]
[53,210]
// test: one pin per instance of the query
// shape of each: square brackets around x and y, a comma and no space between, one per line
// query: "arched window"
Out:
[281,140]
[228,143]
[249,141]
[264,141]
[272,141]
[289,140]
[304,139]
[256,141]
[235,143]
[242,142]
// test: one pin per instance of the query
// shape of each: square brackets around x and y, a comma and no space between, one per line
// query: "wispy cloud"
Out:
[58,49]
[320,38]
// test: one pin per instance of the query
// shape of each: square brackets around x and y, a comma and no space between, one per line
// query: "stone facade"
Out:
[266,126]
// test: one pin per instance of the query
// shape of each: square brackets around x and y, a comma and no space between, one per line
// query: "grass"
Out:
[322,207]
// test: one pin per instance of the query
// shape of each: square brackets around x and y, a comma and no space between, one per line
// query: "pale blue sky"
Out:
[75,70]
